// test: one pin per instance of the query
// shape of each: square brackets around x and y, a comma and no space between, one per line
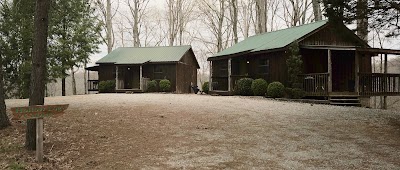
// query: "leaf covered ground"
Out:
[171,131]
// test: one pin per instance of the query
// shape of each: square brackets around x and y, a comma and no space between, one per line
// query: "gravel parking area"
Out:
[187,131]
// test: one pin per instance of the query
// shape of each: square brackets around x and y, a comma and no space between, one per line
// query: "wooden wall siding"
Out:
[331,36]
[277,66]
[189,59]
[365,63]
[106,72]
[343,71]
[186,75]
[314,61]
[168,72]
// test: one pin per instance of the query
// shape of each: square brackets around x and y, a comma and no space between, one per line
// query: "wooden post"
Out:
[39,140]
[87,83]
[229,74]
[329,71]
[357,70]
[141,77]
[210,85]
[116,78]
[385,82]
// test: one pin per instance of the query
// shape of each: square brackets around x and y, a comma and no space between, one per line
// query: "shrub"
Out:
[165,85]
[276,89]
[259,87]
[295,93]
[243,87]
[152,86]
[107,86]
[205,87]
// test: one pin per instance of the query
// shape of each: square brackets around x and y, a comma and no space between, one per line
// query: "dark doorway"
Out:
[131,76]
[343,71]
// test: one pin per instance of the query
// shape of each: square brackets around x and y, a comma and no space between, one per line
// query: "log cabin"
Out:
[336,63]
[133,67]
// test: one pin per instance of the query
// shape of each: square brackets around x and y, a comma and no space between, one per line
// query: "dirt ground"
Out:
[171,131]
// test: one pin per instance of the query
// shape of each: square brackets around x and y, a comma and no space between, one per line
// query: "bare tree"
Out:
[234,19]
[261,16]
[317,10]
[295,12]
[106,18]
[179,15]
[246,16]
[214,12]
[137,9]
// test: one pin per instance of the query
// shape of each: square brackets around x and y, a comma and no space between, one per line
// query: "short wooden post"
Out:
[39,140]
[141,77]
[329,71]
[229,74]
[210,84]
[385,82]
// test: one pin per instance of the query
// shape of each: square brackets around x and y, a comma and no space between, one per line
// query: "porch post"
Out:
[87,83]
[229,74]
[329,71]
[357,70]
[141,78]
[116,78]
[210,81]
[385,82]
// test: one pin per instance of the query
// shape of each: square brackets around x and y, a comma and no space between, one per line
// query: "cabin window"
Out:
[263,67]
[158,72]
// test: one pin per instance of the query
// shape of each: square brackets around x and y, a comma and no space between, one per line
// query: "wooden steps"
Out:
[345,100]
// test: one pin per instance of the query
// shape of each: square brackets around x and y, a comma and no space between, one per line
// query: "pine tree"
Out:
[4,121]
[294,65]
[74,36]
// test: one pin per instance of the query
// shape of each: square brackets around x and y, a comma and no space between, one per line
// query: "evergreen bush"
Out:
[165,85]
[276,90]
[259,87]
[107,86]
[243,87]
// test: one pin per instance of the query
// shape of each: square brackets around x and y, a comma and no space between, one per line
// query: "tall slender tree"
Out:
[4,121]
[37,90]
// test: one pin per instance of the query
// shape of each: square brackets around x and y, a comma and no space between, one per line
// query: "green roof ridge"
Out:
[272,40]
[140,55]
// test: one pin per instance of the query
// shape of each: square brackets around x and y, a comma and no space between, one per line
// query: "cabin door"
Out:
[132,77]
[343,71]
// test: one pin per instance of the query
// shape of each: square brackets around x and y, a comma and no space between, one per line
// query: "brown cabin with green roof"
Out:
[133,67]
[336,63]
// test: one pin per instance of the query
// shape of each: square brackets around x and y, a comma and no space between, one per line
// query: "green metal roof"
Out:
[272,40]
[139,55]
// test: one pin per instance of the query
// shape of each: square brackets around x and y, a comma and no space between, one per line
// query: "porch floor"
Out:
[128,90]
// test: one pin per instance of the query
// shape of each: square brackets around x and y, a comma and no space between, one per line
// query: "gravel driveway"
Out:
[171,131]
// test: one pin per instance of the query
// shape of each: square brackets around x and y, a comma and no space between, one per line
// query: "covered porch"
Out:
[129,78]
[347,72]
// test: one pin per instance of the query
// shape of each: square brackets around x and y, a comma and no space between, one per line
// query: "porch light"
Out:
[129,68]
[248,62]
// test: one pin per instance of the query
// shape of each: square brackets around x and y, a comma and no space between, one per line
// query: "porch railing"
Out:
[93,85]
[315,84]
[379,84]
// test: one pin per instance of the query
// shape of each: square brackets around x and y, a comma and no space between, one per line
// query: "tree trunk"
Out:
[37,90]
[73,81]
[4,121]
[261,15]
[85,78]
[235,21]
[317,10]
[63,86]
[220,25]
[362,20]
[110,38]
